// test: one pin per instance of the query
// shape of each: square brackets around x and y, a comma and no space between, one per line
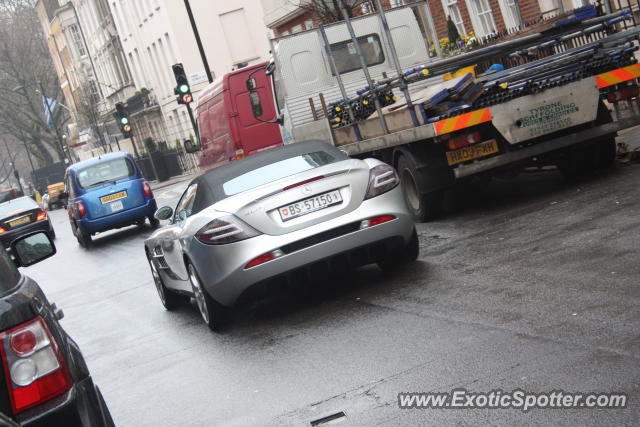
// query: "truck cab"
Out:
[236,117]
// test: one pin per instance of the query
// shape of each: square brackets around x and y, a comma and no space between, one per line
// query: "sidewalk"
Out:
[155,185]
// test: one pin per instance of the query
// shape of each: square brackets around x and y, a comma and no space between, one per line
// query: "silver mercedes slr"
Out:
[275,221]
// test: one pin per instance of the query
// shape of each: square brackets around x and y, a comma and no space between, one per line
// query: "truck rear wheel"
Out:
[424,207]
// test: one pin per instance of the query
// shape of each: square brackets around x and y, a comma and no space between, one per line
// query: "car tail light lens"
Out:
[33,365]
[382,178]
[464,140]
[2,230]
[146,189]
[41,216]
[269,256]
[376,220]
[240,154]
[227,229]
[81,209]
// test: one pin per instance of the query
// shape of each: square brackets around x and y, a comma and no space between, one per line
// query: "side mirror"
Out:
[32,248]
[271,68]
[164,213]
[251,83]
[190,146]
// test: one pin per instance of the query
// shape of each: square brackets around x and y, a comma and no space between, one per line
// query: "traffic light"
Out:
[122,116]
[182,89]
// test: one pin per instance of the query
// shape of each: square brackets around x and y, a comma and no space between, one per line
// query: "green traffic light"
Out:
[124,120]
[183,88]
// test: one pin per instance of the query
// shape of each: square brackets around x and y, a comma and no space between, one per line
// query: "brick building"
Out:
[481,18]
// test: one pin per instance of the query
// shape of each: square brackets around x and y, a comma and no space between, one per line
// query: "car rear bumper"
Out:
[325,245]
[44,225]
[120,219]
[80,406]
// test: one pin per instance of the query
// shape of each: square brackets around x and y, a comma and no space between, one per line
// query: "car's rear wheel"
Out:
[406,255]
[212,313]
[168,299]
[84,238]
[155,223]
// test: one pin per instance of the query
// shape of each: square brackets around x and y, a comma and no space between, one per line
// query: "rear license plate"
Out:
[116,206]
[472,152]
[309,205]
[112,197]
[19,221]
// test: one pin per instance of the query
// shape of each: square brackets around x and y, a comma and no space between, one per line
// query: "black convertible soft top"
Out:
[210,185]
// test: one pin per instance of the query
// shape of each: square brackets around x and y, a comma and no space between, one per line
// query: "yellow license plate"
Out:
[472,152]
[20,221]
[112,197]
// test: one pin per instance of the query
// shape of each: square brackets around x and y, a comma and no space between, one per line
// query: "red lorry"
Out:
[235,117]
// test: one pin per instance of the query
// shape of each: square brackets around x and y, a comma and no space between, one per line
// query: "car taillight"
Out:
[464,140]
[146,188]
[382,178]
[2,230]
[33,365]
[41,215]
[81,210]
[376,220]
[240,154]
[269,256]
[227,229]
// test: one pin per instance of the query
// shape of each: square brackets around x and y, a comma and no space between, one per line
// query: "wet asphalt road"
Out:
[532,284]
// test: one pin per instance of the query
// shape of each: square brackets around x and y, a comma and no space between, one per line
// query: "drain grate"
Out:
[336,418]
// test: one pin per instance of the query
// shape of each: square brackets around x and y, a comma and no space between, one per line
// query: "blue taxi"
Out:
[107,192]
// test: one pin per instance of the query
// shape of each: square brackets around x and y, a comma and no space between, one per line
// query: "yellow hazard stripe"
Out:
[620,75]
[462,121]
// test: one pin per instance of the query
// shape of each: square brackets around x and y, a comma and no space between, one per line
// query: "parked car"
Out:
[44,380]
[22,216]
[107,192]
[275,219]
[226,112]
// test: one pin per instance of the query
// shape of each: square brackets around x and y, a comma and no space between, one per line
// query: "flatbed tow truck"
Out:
[545,104]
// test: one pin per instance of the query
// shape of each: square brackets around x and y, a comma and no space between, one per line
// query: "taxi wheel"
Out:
[406,255]
[168,299]
[212,313]
[84,238]
[155,223]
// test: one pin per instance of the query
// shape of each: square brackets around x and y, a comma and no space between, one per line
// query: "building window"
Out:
[366,7]
[346,58]
[296,29]
[510,13]
[77,39]
[451,6]
[484,17]
[308,24]
[396,3]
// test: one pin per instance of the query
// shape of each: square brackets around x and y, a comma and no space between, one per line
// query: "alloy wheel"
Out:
[198,294]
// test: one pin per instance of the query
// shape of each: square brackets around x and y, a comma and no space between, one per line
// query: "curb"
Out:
[159,185]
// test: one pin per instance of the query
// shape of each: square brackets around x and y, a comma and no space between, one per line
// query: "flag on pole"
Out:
[52,106]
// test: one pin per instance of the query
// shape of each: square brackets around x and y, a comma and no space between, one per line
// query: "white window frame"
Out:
[396,3]
[76,38]
[482,20]
[451,9]
[510,13]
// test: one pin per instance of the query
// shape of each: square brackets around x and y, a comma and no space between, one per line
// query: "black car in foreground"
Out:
[44,380]
[22,216]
